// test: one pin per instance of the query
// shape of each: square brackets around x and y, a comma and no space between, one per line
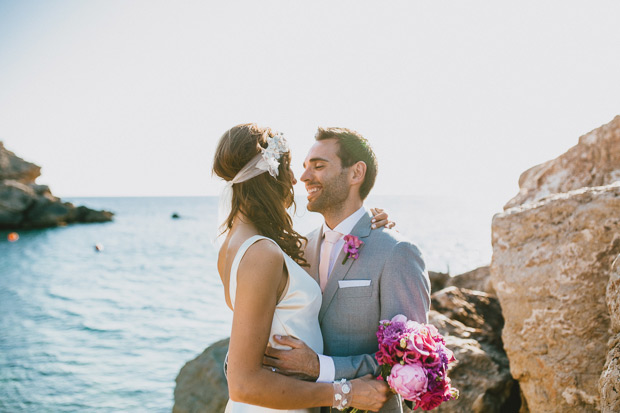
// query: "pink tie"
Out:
[331,237]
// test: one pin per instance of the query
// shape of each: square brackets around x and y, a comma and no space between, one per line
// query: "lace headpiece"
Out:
[276,146]
[268,160]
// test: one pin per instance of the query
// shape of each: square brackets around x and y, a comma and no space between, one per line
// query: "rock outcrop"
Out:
[553,249]
[551,265]
[15,168]
[610,378]
[478,280]
[438,280]
[24,204]
[471,321]
[594,161]
[201,383]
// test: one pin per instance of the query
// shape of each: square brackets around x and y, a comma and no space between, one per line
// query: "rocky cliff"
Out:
[24,204]
[554,249]
[594,161]
[609,383]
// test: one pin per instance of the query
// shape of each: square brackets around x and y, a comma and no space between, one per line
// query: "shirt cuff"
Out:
[327,370]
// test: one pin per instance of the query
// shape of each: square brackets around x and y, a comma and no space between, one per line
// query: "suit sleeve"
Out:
[405,286]
[404,289]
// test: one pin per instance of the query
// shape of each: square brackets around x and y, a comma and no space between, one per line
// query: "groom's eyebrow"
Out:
[316,160]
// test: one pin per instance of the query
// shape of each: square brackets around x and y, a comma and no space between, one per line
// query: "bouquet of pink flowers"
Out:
[414,362]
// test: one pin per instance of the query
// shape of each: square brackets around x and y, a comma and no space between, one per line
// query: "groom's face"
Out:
[325,179]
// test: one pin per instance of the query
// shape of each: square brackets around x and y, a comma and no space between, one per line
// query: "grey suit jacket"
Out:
[349,317]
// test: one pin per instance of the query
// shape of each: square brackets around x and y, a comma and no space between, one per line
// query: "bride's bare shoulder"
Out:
[263,259]
[263,250]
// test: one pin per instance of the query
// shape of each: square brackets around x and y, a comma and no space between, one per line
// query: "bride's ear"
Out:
[358,172]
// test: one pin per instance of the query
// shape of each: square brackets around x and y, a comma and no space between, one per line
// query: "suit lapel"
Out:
[312,253]
[340,270]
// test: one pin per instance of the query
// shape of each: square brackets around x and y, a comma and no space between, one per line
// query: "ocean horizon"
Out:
[109,330]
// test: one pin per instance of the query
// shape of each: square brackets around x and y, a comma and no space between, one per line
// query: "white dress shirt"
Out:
[327,370]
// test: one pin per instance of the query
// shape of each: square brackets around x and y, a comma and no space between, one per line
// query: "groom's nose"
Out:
[305,176]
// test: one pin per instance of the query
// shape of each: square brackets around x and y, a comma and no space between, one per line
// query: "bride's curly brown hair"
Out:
[263,199]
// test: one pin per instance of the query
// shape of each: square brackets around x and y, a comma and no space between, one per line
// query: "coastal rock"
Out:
[15,198]
[478,279]
[24,204]
[610,378]
[475,309]
[594,161]
[12,167]
[438,280]
[613,294]
[201,385]
[551,265]
[471,322]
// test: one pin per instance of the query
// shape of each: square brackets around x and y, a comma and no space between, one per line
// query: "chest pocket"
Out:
[355,292]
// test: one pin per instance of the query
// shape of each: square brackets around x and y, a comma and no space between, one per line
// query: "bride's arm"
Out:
[259,275]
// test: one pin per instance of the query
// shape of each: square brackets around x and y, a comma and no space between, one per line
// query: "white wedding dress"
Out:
[297,314]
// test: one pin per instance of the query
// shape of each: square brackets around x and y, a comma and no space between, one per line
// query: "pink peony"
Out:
[408,380]
[399,318]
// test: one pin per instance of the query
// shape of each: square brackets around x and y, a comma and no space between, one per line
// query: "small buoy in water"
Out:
[98,247]
[13,236]
[175,215]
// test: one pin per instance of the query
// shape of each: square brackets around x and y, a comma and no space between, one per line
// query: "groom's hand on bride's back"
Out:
[300,361]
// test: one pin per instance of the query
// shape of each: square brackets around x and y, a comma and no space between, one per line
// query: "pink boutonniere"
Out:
[352,245]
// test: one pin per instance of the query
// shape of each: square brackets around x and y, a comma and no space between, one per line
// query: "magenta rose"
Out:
[408,380]
[429,401]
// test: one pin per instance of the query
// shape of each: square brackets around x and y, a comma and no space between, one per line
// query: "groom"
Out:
[387,278]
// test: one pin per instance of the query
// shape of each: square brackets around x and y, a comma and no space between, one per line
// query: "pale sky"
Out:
[128,98]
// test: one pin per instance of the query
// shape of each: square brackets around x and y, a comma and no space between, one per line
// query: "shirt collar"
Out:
[347,225]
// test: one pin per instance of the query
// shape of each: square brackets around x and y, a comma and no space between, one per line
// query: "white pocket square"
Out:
[353,283]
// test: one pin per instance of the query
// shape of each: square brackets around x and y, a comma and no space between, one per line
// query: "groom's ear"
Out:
[358,173]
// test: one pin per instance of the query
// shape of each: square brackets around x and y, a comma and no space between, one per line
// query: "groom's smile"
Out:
[313,191]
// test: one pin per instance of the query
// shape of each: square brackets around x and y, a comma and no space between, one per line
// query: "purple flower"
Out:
[351,247]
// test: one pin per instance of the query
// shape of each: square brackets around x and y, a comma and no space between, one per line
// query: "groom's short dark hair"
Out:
[353,148]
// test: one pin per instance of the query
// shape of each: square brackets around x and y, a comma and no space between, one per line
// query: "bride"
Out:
[260,264]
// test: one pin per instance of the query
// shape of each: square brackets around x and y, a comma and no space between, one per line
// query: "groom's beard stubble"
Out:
[334,194]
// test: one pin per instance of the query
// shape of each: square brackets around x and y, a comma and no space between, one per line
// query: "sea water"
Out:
[108,330]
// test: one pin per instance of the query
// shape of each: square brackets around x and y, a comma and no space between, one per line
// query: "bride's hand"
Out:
[380,219]
[368,393]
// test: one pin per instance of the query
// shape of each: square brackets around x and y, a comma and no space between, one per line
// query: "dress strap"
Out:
[232,282]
